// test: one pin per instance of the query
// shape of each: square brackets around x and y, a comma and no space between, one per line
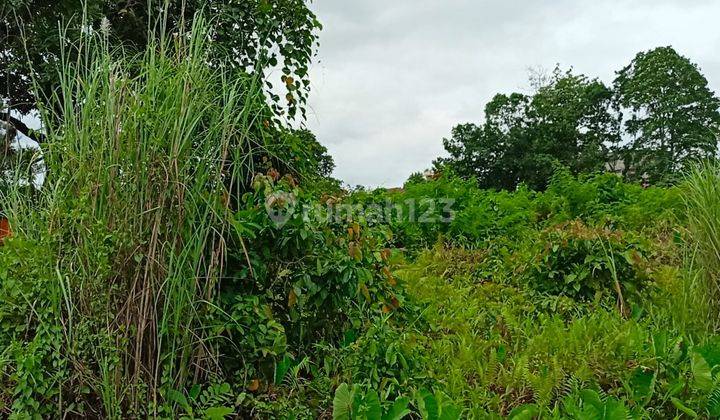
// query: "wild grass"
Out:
[702,198]
[109,289]
[144,153]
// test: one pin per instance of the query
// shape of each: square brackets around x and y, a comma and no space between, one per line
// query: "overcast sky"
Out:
[394,77]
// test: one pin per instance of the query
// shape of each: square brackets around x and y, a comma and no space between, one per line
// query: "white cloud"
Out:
[395,77]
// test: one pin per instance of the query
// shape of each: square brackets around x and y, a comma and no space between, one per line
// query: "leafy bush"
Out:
[30,337]
[585,263]
[317,264]
[605,199]
[460,213]
[386,358]
[356,404]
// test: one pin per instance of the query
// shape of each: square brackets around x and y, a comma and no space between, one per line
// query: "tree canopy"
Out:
[259,35]
[568,121]
[657,117]
[670,114]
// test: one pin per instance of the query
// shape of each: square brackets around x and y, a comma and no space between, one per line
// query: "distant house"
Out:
[616,167]
[619,167]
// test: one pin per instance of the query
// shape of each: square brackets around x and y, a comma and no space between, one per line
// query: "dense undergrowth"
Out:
[174,265]
[585,301]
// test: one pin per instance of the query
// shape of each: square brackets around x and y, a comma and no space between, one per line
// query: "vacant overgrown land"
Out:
[188,254]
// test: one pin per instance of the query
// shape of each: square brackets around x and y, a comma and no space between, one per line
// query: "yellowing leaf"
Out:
[389,277]
[354,251]
[292,299]
[365,292]
[254,385]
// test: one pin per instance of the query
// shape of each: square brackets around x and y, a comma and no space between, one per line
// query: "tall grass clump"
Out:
[703,208]
[119,257]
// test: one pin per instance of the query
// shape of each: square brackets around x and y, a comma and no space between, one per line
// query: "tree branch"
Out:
[22,127]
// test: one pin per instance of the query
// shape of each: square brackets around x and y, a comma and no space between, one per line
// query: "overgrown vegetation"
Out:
[586,301]
[189,257]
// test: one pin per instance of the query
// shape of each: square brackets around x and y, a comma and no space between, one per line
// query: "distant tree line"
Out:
[657,117]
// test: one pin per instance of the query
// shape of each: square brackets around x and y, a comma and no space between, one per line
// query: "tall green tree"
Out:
[568,121]
[670,115]
[258,36]
[299,153]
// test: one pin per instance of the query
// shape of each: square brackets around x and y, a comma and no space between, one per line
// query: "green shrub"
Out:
[460,213]
[30,335]
[604,199]
[386,358]
[588,263]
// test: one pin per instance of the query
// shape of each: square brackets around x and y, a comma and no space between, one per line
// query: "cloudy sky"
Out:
[393,77]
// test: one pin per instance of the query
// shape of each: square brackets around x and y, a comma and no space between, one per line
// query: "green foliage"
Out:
[568,121]
[524,347]
[670,113]
[572,303]
[385,358]
[163,283]
[461,213]
[314,267]
[588,263]
[591,405]
[248,36]
[187,260]
[306,157]
[253,330]
[119,310]
[30,335]
[660,102]
[355,403]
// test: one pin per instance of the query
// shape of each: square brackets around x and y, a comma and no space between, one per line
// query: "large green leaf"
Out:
[595,408]
[427,404]
[342,403]
[614,410]
[642,384]
[217,413]
[702,375]
[371,405]
[179,398]
[524,412]
[398,410]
